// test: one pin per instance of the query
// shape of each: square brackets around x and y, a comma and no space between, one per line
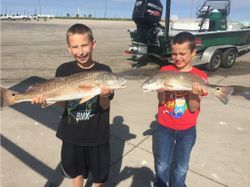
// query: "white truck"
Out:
[15,17]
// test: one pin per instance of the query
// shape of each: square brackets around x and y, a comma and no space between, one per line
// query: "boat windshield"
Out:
[222,5]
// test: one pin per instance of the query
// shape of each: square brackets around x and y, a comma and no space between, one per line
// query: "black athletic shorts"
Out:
[80,160]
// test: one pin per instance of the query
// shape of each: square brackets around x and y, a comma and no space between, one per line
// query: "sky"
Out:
[115,8]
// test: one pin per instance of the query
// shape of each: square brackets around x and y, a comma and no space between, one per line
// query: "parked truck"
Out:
[14,17]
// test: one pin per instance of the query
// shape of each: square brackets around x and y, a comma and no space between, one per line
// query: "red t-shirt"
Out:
[174,113]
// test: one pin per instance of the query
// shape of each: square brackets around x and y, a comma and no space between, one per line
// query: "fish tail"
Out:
[7,97]
[223,93]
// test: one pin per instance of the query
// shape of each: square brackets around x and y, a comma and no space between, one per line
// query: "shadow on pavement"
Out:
[48,117]
[142,176]
[32,162]
[151,132]
[119,134]
[238,69]
[148,59]
[241,91]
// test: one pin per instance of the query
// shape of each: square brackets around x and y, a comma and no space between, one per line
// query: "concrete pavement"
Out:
[30,152]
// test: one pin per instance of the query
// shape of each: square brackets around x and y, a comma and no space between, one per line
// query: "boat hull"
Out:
[204,40]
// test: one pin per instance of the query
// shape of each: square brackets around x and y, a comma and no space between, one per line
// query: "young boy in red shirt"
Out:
[177,115]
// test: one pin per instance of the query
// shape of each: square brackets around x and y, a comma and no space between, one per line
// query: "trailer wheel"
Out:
[215,61]
[228,58]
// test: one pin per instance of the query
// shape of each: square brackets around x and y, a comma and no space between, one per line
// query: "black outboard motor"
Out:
[147,15]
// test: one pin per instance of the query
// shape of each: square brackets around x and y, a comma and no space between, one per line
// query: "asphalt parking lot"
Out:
[30,152]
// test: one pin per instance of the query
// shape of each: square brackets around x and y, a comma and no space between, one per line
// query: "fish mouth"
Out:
[123,84]
[120,85]
[145,90]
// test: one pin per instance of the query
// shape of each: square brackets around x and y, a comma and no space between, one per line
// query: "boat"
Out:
[218,41]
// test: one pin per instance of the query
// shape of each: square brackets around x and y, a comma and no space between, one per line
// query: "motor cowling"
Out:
[147,15]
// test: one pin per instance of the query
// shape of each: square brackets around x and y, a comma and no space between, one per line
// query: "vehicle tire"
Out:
[228,58]
[215,61]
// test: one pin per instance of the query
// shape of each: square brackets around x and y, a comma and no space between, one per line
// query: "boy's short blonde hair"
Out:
[79,29]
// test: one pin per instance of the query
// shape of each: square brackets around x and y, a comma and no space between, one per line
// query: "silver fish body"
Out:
[183,81]
[173,81]
[77,86]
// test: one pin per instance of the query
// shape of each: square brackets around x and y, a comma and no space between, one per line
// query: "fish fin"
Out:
[86,98]
[223,93]
[7,97]
[90,90]
[34,87]
[168,86]
[47,104]
[38,86]
[94,92]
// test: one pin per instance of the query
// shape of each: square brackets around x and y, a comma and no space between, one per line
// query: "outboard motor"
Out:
[147,15]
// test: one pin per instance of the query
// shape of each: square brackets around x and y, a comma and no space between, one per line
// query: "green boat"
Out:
[218,41]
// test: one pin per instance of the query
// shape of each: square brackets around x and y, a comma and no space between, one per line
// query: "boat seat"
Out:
[190,25]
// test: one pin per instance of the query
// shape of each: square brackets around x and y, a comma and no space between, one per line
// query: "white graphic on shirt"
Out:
[81,112]
[86,115]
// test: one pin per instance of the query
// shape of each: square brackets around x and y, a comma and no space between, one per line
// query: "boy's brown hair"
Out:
[182,37]
[79,28]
